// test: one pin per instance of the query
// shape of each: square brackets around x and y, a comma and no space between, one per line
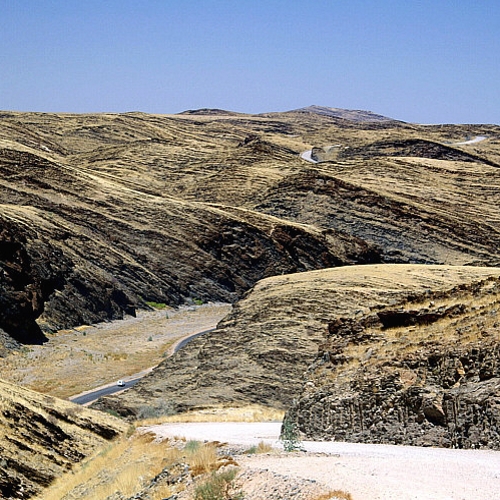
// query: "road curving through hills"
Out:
[88,397]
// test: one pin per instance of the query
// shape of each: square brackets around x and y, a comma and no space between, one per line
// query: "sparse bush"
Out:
[198,302]
[73,411]
[157,409]
[191,446]
[260,448]
[113,413]
[218,487]
[201,458]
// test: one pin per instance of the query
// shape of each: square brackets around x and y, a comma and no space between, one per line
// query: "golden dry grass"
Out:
[125,466]
[334,495]
[248,413]
[42,437]
[398,342]
[260,448]
[129,464]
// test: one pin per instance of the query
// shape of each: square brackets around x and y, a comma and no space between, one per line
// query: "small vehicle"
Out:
[120,383]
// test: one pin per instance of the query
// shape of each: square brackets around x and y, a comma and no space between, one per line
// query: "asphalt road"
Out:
[105,391]
[92,396]
[186,341]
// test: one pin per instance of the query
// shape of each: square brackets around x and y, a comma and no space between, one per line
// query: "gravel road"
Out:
[367,472]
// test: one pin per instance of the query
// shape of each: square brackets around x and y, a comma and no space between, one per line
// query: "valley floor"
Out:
[367,472]
[88,357]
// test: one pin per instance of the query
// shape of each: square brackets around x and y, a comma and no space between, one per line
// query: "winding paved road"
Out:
[89,397]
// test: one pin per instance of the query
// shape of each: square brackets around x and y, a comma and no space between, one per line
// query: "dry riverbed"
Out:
[76,360]
[365,471]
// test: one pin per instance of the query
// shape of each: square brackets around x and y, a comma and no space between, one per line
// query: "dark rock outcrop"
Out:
[426,373]
[29,273]
[456,406]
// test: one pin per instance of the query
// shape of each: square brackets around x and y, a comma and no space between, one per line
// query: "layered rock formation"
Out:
[110,211]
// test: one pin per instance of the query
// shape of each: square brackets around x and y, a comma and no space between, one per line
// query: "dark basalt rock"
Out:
[29,275]
[381,409]
[443,393]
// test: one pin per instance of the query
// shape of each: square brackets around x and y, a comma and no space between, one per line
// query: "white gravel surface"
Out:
[366,471]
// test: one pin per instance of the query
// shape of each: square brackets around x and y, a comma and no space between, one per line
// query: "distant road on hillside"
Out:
[478,138]
[306,155]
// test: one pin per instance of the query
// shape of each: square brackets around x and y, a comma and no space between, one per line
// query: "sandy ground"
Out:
[365,471]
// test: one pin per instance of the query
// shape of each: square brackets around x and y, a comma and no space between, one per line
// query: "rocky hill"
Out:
[354,115]
[380,353]
[42,437]
[103,213]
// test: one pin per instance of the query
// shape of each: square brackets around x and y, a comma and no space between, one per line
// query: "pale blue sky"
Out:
[420,61]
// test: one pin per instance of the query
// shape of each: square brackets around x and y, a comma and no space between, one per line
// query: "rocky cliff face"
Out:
[424,371]
[30,273]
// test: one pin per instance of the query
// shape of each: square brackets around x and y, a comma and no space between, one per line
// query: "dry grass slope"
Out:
[130,208]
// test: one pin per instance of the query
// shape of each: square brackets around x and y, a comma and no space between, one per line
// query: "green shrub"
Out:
[290,436]
[192,446]
[157,305]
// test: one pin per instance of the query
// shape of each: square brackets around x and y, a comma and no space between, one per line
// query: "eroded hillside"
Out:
[102,213]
